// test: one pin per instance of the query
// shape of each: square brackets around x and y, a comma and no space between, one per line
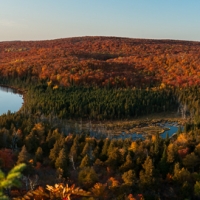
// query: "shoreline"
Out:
[148,123]
[18,91]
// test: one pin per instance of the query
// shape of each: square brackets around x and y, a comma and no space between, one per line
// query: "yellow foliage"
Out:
[112,182]
[58,77]
[162,85]
[55,87]
[38,127]
[182,139]
[99,190]
[153,138]
[49,82]
[64,191]
[170,153]
[134,146]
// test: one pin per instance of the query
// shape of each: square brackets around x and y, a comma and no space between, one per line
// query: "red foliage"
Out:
[6,155]
[183,152]
[104,61]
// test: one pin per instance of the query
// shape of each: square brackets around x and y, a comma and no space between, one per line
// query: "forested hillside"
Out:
[104,77]
[103,61]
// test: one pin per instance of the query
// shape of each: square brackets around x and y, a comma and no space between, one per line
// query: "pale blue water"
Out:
[9,100]
[12,101]
[173,128]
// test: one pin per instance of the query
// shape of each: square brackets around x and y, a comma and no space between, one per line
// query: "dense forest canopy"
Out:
[103,61]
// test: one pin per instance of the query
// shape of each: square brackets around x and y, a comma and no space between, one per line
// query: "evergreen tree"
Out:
[86,149]
[191,161]
[128,164]
[32,142]
[4,138]
[62,162]
[87,177]
[157,144]
[85,161]
[114,159]
[147,174]
[181,175]
[163,164]
[129,177]
[23,156]
[197,189]
[54,152]
[39,154]
[171,153]
[104,151]
[96,152]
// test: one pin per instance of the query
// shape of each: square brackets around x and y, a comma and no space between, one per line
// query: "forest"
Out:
[99,79]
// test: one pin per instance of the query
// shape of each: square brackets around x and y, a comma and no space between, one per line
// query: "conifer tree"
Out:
[105,149]
[163,165]
[86,149]
[32,142]
[85,161]
[147,174]
[197,189]
[54,152]
[62,161]
[181,175]
[128,164]
[23,156]
[191,161]
[171,153]
[129,177]
[39,154]
[87,177]
[114,159]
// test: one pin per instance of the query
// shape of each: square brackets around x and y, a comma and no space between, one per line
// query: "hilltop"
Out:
[103,61]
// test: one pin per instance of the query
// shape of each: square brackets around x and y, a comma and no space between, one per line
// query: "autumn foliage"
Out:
[103,61]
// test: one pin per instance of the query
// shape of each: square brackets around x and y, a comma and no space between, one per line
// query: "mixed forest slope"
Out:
[103,61]
[100,78]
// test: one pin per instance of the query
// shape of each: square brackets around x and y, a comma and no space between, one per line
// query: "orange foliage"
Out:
[104,61]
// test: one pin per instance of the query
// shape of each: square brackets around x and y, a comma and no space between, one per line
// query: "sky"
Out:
[51,19]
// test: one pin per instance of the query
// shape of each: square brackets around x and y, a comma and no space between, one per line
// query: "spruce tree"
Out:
[129,177]
[86,149]
[54,152]
[85,161]
[147,174]
[23,156]
[39,154]
[105,149]
[87,177]
[163,164]
[62,161]
[128,164]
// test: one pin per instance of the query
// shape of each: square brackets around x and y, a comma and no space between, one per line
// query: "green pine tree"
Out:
[62,162]
[85,161]
[23,156]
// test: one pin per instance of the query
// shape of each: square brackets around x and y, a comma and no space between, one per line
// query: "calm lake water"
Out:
[172,129]
[10,100]
[100,130]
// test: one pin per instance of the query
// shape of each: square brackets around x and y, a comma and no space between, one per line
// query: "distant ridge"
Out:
[102,61]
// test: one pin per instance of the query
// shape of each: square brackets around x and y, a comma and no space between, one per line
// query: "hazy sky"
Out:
[49,19]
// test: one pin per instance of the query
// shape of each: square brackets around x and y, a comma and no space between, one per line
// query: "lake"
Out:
[10,100]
